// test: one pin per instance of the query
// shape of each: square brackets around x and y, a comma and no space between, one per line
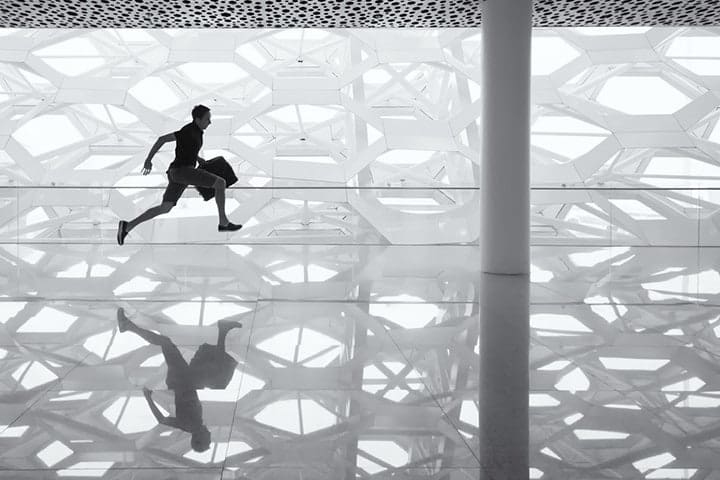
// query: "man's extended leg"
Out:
[224,326]
[151,212]
[172,194]
[174,359]
[125,227]
[125,324]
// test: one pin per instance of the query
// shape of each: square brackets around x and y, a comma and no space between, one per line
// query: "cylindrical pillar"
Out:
[504,241]
[506,29]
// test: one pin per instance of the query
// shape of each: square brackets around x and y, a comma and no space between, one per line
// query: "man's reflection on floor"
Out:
[211,367]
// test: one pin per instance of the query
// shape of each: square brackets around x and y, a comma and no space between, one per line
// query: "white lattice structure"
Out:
[356,273]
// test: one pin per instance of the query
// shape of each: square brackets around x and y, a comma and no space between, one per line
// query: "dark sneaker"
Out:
[121,232]
[228,324]
[122,320]
[230,227]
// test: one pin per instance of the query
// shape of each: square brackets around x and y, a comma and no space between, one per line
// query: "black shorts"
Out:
[180,178]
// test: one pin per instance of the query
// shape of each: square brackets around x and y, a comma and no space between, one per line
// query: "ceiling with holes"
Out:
[343,13]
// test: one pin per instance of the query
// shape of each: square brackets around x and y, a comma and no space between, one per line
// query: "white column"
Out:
[506,32]
[504,286]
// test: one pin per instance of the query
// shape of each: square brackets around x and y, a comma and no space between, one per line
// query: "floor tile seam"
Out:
[437,403]
[46,391]
[238,398]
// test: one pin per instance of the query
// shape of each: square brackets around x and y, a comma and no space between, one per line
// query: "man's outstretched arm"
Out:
[169,421]
[162,140]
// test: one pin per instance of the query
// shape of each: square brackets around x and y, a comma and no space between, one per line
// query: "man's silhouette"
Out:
[211,366]
[182,172]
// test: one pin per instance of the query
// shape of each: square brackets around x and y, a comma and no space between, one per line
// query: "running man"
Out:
[182,172]
[210,367]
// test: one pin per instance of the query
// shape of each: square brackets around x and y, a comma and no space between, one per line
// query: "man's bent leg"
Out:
[202,178]
[224,326]
[219,186]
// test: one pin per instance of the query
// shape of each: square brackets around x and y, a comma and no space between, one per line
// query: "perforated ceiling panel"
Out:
[343,13]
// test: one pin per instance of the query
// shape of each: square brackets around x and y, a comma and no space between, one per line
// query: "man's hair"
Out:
[199,110]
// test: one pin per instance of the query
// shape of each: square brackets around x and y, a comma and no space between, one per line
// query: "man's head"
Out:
[200,440]
[201,116]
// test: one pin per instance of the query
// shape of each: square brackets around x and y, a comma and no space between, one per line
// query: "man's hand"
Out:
[147,167]
[201,161]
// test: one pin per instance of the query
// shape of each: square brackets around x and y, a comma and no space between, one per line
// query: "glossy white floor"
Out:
[356,274]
